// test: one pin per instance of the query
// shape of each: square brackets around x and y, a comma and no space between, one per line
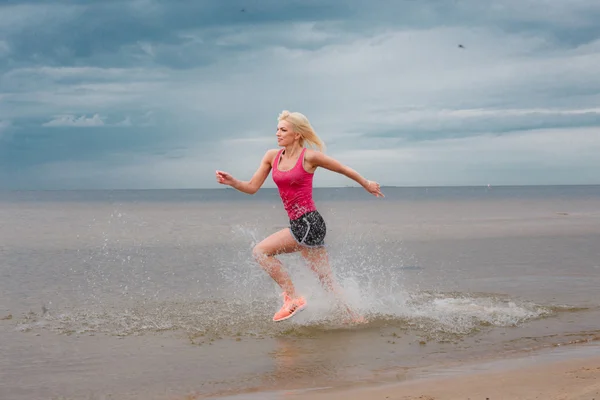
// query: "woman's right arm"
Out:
[254,184]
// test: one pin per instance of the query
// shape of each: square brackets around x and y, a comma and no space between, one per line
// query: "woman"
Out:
[293,169]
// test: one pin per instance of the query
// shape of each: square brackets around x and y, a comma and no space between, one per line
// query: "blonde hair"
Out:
[303,127]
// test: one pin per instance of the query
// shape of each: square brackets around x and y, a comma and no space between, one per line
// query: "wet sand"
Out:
[577,379]
[560,374]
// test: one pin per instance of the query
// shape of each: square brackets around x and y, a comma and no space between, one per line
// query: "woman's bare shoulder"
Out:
[312,154]
[270,155]
[313,158]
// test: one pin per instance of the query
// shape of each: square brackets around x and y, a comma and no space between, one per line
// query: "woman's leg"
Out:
[264,253]
[318,261]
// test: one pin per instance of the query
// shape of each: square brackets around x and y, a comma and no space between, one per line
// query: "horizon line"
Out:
[314,188]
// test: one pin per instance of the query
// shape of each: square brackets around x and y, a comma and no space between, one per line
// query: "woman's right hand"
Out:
[224,178]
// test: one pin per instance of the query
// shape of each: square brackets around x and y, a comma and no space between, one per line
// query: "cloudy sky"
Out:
[160,94]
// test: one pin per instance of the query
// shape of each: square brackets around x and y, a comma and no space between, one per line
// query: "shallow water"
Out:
[155,293]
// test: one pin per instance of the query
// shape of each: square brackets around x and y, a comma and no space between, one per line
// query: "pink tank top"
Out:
[295,187]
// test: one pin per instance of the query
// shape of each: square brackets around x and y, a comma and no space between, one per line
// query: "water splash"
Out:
[431,315]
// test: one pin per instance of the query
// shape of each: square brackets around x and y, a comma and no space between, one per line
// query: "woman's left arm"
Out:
[319,159]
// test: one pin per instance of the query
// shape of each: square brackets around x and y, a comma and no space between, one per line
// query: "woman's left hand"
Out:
[373,188]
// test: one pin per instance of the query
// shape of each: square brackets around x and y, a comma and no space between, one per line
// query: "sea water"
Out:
[155,294]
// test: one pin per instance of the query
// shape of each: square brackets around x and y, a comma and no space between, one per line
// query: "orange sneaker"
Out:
[289,308]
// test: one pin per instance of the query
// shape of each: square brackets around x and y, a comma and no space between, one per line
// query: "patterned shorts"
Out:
[309,230]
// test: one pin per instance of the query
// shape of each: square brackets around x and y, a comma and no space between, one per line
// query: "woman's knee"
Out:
[278,243]
[259,253]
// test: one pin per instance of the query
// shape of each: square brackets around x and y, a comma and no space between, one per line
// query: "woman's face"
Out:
[285,134]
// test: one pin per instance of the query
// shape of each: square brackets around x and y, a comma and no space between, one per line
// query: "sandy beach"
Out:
[540,376]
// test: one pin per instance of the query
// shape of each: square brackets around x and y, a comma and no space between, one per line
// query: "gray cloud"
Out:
[4,127]
[430,124]
[199,85]
[71,120]
[125,33]
[191,33]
